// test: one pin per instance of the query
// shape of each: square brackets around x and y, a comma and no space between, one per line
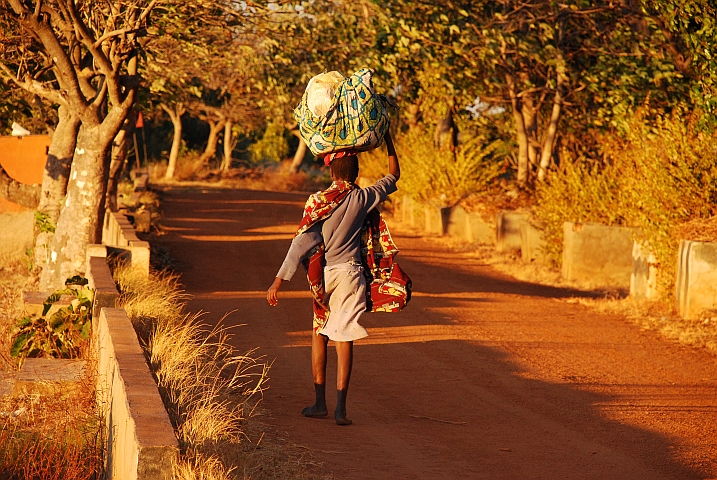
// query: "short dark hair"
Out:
[346,168]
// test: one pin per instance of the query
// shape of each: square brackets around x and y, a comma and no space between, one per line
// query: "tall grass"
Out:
[51,437]
[48,437]
[208,389]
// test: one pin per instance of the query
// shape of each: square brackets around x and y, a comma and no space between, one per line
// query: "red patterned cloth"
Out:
[389,287]
[333,156]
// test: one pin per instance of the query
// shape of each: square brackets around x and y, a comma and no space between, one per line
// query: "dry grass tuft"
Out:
[209,390]
[201,467]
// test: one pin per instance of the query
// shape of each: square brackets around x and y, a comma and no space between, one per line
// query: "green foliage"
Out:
[272,147]
[43,222]
[657,177]
[434,175]
[61,334]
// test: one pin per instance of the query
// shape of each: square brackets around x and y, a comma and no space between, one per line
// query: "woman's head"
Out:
[345,168]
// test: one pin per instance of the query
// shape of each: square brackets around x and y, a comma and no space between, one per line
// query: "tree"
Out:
[204,64]
[90,49]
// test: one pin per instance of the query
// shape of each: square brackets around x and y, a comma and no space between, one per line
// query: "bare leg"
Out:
[345,354]
[318,369]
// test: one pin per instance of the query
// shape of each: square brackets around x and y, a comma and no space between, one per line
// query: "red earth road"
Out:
[482,376]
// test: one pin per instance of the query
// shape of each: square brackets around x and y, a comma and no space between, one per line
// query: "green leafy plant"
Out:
[61,334]
[272,147]
[43,222]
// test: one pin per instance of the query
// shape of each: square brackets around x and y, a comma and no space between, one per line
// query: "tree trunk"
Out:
[214,128]
[228,146]
[521,135]
[299,154]
[82,215]
[80,221]
[54,181]
[530,120]
[175,115]
[119,155]
[550,136]
[57,168]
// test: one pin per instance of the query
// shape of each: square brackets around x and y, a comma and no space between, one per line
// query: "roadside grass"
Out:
[43,437]
[210,391]
[51,436]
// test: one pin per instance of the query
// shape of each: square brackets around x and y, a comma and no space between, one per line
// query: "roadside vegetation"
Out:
[583,111]
[659,176]
[211,391]
[55,436]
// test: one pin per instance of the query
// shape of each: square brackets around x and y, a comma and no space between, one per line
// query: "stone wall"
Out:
[696,285]
[598,256]
[119,235]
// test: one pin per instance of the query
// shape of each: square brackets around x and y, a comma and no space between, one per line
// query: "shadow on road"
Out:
[435,393]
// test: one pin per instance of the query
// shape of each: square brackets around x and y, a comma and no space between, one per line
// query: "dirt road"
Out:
[481,376]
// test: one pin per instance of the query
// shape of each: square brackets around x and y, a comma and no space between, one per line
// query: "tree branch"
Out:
[33,86]
[65,72]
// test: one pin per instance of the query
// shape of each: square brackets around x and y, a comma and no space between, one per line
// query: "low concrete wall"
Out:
[643,281]
[119,234]
[16,234]
[507,230]
[141,443]
[436,219]
[412,212]
[597,255]
[696,286]
[453,221]
[532,244]
[100,279]
[457,222]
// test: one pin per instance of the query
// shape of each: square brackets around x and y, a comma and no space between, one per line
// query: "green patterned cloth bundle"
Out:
[357,118]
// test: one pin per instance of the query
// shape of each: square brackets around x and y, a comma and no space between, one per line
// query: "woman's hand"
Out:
[272,293]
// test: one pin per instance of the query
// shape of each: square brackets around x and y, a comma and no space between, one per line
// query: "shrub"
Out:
[435,175]
[272,147]
[656,177]
[61,335]
[52,437]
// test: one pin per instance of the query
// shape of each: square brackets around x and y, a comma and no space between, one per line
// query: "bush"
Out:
[272,147]
[435,175]
[656,177]
[63,334]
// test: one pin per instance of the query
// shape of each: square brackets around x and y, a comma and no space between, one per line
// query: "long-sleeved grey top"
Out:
[341,232]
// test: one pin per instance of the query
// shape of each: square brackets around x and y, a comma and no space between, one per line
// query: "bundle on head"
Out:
[321,90]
